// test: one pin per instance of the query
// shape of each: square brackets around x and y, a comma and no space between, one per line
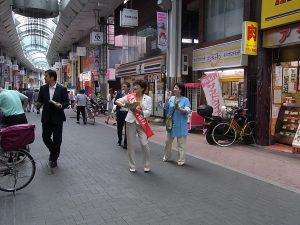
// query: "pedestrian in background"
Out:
[178,108]
[140,107]
[35,98]
[29,94]
[54,99]
[81,102]
[121,113]
[110,104]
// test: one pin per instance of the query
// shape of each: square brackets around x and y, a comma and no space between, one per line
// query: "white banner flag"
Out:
[212,90]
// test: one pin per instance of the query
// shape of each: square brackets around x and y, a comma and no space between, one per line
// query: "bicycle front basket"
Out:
[17,136]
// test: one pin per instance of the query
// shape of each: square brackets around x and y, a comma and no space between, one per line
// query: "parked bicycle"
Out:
[89,115]
[17,166]
[239,128]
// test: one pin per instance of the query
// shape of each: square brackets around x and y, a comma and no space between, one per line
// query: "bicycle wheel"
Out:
[248,133]
[16,174]
[224,135]
[91,116]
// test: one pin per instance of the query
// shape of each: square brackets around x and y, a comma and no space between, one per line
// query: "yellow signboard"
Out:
[250,36]
[278,12]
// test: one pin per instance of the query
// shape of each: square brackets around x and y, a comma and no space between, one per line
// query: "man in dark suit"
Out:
[121,115]
[54,98]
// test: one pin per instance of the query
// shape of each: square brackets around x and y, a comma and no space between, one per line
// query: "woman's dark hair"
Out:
[52,73]
[142,83]
[82,91]
[181,88]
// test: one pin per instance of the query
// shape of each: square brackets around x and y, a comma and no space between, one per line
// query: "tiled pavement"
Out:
[92,186]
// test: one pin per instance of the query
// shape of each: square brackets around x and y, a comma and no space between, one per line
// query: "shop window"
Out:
[190,23]
[224,19]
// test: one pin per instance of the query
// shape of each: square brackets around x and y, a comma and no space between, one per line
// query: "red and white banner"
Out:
[140,118]
[212,90]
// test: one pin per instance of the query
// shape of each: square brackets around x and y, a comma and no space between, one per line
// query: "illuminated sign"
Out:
[250,36]
[279,12]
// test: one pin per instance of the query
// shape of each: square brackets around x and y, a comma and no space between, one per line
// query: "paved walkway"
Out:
[279,168]
[92,186]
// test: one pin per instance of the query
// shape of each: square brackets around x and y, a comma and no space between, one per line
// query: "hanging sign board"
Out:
[64,62]
[129,18]
[96,38]
[250,36]
[81,51]
[2,59]
[15,67]
[57,65]
[73,56]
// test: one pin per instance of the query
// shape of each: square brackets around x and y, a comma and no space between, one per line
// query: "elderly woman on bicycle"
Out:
[178,108]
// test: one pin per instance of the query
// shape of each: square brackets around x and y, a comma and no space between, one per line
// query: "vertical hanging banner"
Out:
[162,30]
[212,90]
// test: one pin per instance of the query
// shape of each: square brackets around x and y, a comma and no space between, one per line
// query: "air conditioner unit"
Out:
[184,64]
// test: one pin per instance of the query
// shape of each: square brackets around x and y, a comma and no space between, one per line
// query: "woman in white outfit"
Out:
[136,126]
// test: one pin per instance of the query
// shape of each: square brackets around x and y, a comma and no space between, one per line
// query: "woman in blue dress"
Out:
[178,109]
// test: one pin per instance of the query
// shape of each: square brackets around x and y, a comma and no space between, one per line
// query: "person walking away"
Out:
[13,105]
[140,107]
[29,94]
[178,108]
[54,98]
[110,104]
[35,98]
[81,102]
[72,99]
[121,114]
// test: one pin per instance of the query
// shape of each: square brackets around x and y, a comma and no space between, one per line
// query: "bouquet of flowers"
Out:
[132,106]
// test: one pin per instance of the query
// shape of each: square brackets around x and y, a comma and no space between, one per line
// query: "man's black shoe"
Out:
[119,143]
[52,164]
[125,147]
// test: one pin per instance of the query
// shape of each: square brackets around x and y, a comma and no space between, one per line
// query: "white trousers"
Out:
[131,130]
[181,144]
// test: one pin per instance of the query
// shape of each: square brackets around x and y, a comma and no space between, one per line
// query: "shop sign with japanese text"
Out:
[289,35]
[129,18]
[279,12]
[250,35]
[219,56]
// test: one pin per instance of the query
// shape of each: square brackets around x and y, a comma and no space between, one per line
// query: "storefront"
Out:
[150,70]
[285,91]
[227,64]
[283,41]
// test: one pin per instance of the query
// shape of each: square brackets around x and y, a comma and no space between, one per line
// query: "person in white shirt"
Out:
[133,126]
[81,102]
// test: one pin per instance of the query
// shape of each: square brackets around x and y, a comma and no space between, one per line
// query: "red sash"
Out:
[139,117]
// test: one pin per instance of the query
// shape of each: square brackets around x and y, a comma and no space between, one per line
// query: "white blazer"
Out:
[146,107]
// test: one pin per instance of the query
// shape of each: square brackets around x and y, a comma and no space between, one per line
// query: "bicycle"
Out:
[89,115]
[239,128]
[17,166]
